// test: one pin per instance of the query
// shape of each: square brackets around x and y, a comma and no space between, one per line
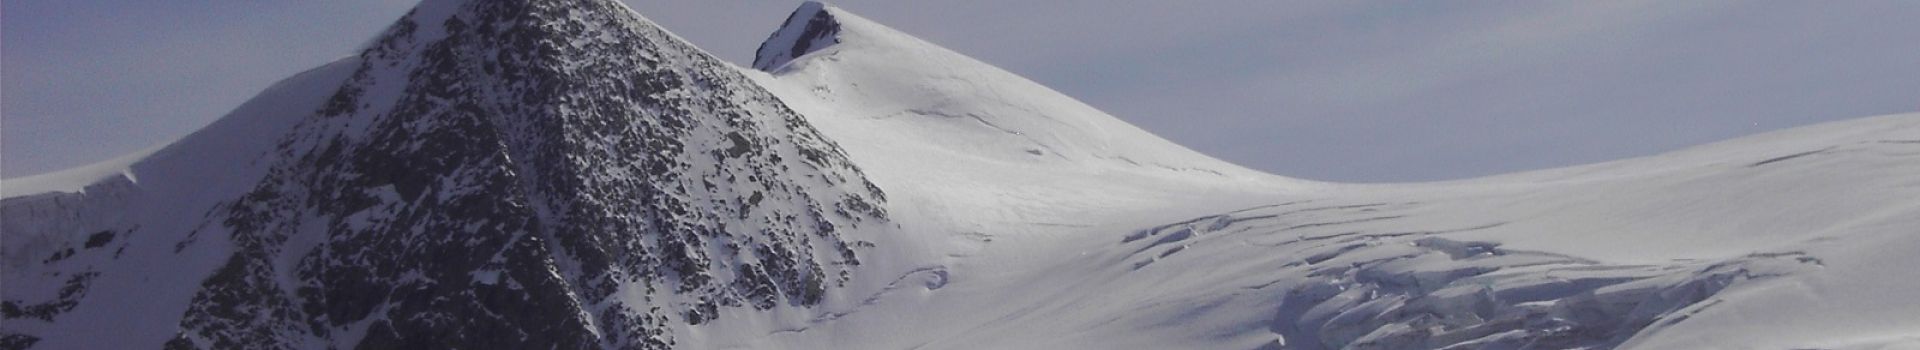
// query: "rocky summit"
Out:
[518,174]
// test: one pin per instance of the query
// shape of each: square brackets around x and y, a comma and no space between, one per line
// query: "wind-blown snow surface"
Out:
[1101,236]
[1014,218]
[976,144]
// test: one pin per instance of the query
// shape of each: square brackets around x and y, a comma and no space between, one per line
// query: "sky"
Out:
[1354,91]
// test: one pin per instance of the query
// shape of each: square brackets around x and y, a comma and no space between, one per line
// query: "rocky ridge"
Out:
[522,174]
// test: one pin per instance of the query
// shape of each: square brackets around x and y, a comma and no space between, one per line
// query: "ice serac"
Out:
[809,28]
[501,174]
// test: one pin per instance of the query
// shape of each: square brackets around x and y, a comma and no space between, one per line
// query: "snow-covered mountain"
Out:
[984,145]
[518,174]
[566,174]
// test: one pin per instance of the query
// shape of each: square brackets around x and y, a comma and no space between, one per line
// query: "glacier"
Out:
[566,174]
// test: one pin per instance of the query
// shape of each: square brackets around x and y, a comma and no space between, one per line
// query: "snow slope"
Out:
[985,150]
[1692,249]
[161,194]
[547,173]
[873,75]
[1013,216]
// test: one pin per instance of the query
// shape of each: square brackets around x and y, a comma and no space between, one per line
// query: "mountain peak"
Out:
[516,22]
[864,68]
[810,28]
[551,173]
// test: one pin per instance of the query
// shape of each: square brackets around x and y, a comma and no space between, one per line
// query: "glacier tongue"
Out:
[1362,287]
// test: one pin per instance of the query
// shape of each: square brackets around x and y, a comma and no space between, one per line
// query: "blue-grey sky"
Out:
[1331,90]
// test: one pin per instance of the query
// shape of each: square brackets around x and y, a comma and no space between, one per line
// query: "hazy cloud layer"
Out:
[1350,91]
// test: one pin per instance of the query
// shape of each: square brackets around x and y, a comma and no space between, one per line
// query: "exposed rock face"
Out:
[809,28]
[531,174]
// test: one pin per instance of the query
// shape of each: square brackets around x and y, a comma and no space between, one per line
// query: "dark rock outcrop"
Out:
[808,29]
[532,174]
